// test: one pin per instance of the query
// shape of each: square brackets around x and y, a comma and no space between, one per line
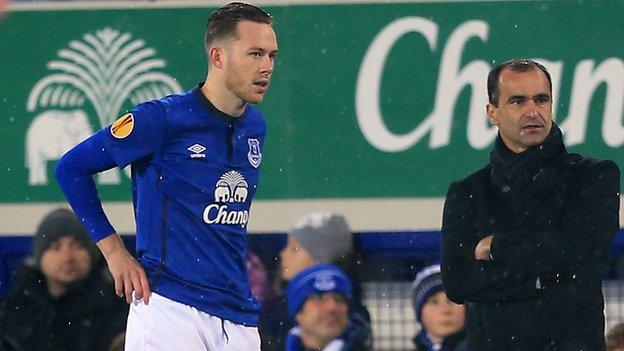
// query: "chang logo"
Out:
[102,74]
[230,188]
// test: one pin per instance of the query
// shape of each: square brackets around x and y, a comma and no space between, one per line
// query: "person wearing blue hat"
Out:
[318,300]
[319,237]
[442,320]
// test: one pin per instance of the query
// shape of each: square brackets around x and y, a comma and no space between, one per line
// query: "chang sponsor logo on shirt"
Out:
[230,188]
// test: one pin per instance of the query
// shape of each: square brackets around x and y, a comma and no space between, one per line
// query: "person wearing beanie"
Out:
[441,320]
[62,228]
[63,298]
[318,300]
[319,237]
[324,237]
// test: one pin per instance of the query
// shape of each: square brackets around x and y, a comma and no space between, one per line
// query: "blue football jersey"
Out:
[194,173]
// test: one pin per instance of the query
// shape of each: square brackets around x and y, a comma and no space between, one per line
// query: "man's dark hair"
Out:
[222,23]
[515,65]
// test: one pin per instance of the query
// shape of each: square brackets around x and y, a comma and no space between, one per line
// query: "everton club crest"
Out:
[254,156]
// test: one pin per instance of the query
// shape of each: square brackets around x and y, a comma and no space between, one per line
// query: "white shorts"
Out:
[166,325]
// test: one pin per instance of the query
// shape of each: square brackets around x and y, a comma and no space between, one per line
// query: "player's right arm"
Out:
[110,147]
[127,273]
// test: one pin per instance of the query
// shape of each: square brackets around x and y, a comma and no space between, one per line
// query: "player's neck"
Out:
[223,99]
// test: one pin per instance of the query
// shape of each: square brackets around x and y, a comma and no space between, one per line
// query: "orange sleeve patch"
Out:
[123,126]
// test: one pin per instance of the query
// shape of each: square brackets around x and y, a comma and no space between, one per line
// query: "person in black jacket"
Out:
[526,238]
[441,320]
[317,238]
[63,299]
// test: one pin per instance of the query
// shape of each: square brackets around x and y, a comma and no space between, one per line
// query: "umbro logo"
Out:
[197,151]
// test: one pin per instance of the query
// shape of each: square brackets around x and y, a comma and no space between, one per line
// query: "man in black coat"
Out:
[62,300]
[525,239]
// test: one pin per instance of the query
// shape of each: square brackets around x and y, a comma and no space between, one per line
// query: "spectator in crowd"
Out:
[259,282]
[441,320]
[318,300]
[63,298]
[317,238]
[615,338]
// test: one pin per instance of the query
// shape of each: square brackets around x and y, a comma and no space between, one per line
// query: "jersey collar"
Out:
[214,111]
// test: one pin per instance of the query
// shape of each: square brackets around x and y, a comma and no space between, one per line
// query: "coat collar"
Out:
[510,165]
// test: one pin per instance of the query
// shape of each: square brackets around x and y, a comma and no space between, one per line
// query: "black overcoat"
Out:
[87,318]
[552,216]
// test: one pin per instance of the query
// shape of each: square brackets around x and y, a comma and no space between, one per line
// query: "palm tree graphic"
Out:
[107,69]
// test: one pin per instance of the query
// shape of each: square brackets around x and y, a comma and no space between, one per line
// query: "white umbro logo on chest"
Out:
[197,150]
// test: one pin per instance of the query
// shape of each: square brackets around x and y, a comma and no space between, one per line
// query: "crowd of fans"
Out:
[63,298]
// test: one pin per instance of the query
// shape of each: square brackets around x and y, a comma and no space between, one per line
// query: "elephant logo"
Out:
[231,187]
[222,191]
[104,73]
[49,136]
